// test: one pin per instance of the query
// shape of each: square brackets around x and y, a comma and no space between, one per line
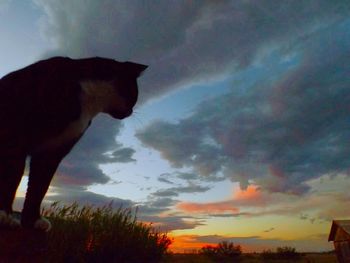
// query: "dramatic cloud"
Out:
[269,133]
[282,130]
[182,41]
[278,132]
[81,167]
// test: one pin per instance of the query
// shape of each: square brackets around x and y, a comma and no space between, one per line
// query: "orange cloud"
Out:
[217,207]
[251,193]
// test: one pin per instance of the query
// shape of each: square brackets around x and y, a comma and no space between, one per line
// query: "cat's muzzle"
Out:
[121,115]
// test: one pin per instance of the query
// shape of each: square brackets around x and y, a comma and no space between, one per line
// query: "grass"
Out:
[88,234]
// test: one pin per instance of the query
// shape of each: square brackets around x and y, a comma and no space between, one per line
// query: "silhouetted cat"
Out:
[44,109]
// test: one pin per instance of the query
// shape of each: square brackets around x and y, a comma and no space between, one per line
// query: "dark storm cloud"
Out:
[182,41]
[270,133]
[80,168]
[279,132]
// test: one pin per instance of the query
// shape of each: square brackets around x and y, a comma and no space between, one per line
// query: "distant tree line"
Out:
[223,252]
[229,252]
[286,253]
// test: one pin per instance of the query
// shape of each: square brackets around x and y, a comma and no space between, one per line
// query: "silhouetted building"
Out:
[340,235]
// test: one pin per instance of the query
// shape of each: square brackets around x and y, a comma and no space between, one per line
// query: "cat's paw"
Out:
[3,217]
[42,224]
[7,220]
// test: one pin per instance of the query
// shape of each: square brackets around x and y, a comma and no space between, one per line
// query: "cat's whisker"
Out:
[135,116]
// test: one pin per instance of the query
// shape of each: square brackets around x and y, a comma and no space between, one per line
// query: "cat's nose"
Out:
[121,115]
[128,113]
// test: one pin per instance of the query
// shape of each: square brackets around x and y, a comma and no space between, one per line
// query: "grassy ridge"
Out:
[87,234]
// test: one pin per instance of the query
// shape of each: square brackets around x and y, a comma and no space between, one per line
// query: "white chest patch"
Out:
[94,99]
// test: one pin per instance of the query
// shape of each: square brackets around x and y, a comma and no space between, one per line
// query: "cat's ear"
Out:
[134,69]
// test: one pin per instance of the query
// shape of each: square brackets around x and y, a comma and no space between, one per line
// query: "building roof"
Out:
[340,230]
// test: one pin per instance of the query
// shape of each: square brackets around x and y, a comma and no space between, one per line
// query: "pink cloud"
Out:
[216,207]
[251,193]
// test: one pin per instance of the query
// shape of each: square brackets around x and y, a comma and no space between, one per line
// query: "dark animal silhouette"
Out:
[44,110]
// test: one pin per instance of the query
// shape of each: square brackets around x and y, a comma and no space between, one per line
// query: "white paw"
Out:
[13,222]
[7,220]
[42,224]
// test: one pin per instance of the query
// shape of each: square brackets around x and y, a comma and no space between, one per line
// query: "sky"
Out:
[241,131]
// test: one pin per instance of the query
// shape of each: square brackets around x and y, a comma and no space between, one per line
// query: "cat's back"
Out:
[43,94]
[56,67]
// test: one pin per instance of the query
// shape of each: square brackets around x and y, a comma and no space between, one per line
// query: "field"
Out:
[84,235]
[251,258]
[91,235]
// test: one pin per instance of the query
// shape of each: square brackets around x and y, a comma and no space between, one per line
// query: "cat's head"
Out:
[122,80]
[126,88]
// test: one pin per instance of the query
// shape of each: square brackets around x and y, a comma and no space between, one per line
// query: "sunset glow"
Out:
[241,129]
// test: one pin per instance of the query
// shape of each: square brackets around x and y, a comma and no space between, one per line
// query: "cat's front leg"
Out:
[12,162]
[43,165]
[42,169]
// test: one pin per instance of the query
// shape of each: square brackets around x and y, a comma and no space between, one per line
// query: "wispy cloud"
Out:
[175,191]
[163,178]
[269,230]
